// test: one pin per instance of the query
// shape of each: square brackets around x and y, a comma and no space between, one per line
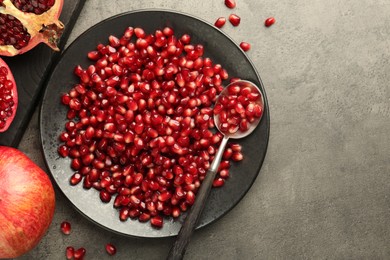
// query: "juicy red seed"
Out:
[227,154]
[220,22]
[157,221]
[105,196]
[69,252]
[230,3]
[66,227]
[185,39]
[234,19]
[110,249]
[144,217]
[76,178]
[80,253]
[219,182]
[245,46]
[63,150]
[190,197]
[168,31]
[235,147]
[269,21]
[164,196]
[139,32]
[237,156]
[224,173]
[124,214]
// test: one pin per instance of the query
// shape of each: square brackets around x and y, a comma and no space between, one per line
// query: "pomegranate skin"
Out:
[43,28]
[27,203]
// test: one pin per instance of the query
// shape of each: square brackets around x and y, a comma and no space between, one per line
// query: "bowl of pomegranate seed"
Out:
[127,126]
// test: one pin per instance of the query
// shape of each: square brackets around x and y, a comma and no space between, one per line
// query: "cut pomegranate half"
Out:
[25,24]
[8,96]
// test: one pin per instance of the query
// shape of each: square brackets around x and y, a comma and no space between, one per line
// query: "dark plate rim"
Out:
[163,11]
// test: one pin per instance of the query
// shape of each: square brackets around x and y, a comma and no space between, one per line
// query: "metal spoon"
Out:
[178,249]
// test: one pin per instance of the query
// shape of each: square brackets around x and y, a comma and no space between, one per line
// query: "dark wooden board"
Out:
[31,71]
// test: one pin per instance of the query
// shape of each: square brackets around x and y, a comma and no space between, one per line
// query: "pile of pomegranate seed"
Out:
[236,110]
[141,127]
[6,97]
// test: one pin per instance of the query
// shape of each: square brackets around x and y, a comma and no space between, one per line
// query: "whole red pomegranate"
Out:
[26,23]
[27,203]
[8,97]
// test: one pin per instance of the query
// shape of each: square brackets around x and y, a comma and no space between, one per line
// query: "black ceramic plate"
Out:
[220,48]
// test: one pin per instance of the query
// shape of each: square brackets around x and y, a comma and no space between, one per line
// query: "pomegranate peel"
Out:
[8,96]
[44,27]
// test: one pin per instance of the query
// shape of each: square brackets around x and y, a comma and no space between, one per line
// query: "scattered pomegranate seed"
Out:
[269,21]
[230,3]
[220,22]
[110,249]
[245,46]
[69,252]
[66,227]
[234,19]
[79,253]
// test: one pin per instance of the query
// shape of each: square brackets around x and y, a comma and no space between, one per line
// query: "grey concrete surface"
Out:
[323,191]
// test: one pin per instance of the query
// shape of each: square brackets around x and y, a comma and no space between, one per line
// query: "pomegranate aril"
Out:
[76,178]
[66,227]
[164,196]
[224,173]
[234,19]
[63,150]
[218,182]
[69,253]
[230,3]
[105,196]
[79,253]
[124,214]
[110,249]
[156,221]
[168,31]
[244,125]
[269,21]
[144,217]
[245,46]
[237,156]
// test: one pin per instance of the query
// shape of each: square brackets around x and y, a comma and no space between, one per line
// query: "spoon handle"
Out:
[183,238]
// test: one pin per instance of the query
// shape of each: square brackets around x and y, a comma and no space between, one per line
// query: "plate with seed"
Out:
[126,122]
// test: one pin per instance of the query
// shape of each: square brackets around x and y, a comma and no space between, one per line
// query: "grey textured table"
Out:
[323,191]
